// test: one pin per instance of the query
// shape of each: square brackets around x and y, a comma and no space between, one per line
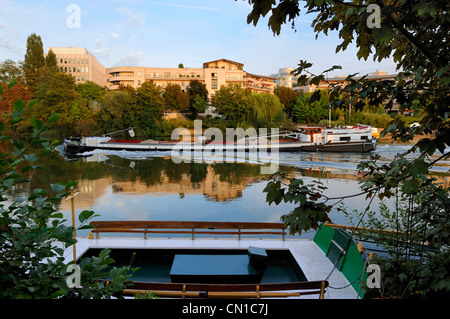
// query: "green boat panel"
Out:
[323,238]
[335,244]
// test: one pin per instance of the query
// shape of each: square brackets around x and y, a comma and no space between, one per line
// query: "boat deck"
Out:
[312,260]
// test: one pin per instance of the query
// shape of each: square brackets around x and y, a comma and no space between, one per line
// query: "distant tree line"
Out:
[87,108]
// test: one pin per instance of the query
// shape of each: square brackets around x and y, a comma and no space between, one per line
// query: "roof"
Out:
[260,76]
[241,65]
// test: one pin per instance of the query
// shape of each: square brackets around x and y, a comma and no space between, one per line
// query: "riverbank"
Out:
[389,139]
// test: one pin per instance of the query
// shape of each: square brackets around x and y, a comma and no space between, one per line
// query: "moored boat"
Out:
[230,259]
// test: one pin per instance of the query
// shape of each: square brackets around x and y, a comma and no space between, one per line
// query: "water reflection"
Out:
[150,186]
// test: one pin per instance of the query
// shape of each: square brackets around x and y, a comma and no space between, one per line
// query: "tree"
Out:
[50,62]
[11,71]
[232,101]
[148,109]
[34,60]
[56,94]
[287,97]
[197,91]
[175,99]
[415,34]
[310,113]
[115,111]
[9,96]
[264,108]
[91,93]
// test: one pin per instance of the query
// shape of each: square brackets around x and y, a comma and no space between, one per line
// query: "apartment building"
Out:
[342,80]
[213,73]
[285,78]
[81,64]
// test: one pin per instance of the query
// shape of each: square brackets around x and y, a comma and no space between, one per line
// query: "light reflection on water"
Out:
[150,186]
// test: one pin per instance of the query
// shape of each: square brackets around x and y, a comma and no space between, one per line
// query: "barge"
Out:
[308,139]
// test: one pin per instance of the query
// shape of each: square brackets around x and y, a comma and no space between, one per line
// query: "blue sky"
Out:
[166,33]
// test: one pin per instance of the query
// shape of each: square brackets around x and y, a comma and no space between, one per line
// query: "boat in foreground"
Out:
[309,139]
[229,259]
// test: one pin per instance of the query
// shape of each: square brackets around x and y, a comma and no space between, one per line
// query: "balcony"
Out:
[175,77]
[121,78]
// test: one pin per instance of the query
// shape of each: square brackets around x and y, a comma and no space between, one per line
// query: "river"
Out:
[151,186]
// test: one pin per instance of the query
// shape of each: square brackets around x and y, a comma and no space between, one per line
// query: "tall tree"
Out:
[287,97]
[50,61]
[198,97]
[149,109]
[175,99]
[34,60]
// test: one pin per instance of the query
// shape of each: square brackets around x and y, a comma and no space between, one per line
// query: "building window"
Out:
[214,75]
[65,60]
[139,82]
[167,74]
[139,73]
[214,84]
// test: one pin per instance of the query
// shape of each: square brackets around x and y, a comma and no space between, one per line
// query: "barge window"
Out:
[344,138]
[365,137]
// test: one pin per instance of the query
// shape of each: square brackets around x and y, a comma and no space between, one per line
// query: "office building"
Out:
[81,64]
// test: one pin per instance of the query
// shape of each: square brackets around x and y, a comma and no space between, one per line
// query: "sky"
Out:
[167,33]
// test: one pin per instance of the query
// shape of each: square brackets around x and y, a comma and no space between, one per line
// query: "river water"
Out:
[120,185]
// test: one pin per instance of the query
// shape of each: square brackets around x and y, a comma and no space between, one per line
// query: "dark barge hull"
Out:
[359,147]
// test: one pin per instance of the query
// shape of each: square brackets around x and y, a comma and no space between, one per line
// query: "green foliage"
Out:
[56,94]
[91,94]
[232,101]
[309,213]
[34,235]
[264,107]
[198,97]
[147,111]
[50,62]
[287,97]
[175,99]
[114,113]
[11,71]
[310,112]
